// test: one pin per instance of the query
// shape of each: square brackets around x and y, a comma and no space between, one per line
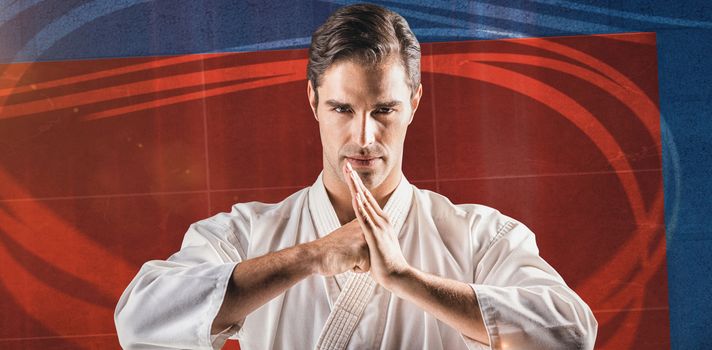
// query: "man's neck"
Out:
[340,196]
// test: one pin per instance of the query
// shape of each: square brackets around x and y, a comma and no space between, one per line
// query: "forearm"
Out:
[450,301]
[256,281]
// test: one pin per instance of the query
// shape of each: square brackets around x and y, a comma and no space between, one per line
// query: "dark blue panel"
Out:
[170,27]
[684,62]
[685,80]
[687,172]
[690,297]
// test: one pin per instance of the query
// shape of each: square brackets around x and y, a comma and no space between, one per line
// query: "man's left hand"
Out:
[387,260]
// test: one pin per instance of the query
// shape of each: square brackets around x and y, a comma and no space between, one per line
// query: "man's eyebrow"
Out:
[389,104]
[335,103]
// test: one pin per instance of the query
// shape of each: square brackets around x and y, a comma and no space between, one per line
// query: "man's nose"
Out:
[366,129]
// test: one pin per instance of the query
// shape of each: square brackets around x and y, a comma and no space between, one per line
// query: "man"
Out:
[362,258]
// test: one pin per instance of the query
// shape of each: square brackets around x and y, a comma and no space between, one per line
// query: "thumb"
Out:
[363,266]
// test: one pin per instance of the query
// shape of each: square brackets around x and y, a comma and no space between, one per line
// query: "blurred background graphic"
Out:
[122,122]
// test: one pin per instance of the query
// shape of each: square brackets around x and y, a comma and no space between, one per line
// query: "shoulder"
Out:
[439,206]
[249,212]
[485,224]
[242,216]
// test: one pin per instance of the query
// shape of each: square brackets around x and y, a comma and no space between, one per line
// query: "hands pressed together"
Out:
[368,243]
[385,255]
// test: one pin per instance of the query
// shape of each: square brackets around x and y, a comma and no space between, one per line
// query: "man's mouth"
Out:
[362,162]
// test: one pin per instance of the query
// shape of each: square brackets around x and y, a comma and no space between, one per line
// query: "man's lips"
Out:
[361,158]
[362,162]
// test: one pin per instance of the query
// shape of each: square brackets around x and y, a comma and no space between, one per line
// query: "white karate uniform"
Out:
[524,302]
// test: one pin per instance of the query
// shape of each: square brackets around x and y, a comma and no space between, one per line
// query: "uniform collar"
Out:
[324,215]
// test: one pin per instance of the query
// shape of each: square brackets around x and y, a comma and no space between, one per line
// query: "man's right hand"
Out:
[341,250]
[256,281]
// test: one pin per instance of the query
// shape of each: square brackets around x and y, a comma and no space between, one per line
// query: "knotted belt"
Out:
[346,312]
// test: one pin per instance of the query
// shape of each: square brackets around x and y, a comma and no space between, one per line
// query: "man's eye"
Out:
[341,109]
[383,110]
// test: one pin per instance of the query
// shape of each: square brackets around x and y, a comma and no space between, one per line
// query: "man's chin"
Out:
[371,178]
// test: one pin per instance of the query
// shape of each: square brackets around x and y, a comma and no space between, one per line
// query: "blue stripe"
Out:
[629,15]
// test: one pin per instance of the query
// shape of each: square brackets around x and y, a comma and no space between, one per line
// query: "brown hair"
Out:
[368,33]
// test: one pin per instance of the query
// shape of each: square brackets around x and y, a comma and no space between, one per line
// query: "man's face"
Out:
[363,115]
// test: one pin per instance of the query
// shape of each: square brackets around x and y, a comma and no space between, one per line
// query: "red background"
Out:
[105,163]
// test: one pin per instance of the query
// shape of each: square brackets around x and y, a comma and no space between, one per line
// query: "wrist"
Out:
[311,256]
[401,280]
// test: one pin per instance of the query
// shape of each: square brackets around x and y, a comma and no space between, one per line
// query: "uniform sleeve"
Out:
[171,304]
[525,304]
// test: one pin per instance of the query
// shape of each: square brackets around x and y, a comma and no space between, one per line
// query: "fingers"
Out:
[353,188]
[369,197]
[368,212]
[358,186]
[366,227]
[369,202]
[349,182]
[368,208]
[362,214]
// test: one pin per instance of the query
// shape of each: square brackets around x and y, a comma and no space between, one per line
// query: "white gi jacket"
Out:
[524,302]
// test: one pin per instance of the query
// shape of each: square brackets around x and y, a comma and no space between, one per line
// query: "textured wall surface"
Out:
[116,136]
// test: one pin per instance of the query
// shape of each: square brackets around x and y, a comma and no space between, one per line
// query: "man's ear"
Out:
[311,94]
[415,101]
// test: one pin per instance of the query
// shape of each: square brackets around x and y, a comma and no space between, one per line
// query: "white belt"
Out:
[347,311]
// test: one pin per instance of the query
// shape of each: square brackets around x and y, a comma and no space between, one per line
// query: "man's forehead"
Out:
[348,80]
[388,66]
